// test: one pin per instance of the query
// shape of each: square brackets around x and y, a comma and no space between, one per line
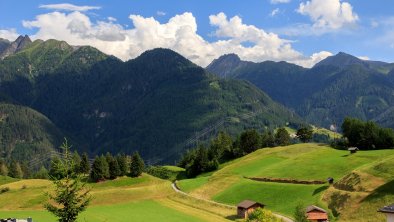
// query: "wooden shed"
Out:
[389,211]
[353,149]
[316,214]
[246,207]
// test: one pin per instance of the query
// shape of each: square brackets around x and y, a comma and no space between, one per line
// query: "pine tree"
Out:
[114,170]
[71,196]
[41,174]
[123,164]
[100,169]
[137,165]
[55,172]
[3,169]
[15,170]
[84,166]
[77,161]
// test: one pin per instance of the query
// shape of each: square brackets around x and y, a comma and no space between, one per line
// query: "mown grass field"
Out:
[125,199]
[277,197]
[303,162]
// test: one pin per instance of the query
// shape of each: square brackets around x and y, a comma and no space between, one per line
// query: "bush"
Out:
[4,189]
[159,171]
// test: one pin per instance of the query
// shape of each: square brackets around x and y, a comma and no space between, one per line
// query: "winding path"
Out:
[176,189]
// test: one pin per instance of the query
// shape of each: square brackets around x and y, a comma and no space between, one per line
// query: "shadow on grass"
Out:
[319,190]
[337,202]
[380,192]
[346,155]
[232,217]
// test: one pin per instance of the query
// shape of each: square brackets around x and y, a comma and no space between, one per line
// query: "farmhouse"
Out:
[389,211]
[352,149]
[246,207]
[316,214]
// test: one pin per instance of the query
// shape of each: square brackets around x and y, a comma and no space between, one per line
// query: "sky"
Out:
[298,31]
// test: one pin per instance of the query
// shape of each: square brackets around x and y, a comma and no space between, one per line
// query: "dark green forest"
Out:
[339,86]
[159,104]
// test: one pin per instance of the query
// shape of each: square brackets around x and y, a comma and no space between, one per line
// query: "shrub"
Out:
[4,189]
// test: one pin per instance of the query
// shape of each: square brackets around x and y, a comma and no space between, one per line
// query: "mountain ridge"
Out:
[154,103]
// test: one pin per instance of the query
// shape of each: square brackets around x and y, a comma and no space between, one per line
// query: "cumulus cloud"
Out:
[69,7]
[279,1]
[9,34]
[179,34]
[328,14]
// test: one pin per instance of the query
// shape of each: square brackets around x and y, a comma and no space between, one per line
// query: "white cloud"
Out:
[112,19]
[363,57]
[178,34]
[274,12]
[9,34]
[279,1]
[328,14]
[69,7]
[161,13]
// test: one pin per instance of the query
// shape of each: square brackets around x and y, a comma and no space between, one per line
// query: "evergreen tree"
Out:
[300,214]
[137,165]
[282,137]
[304,134]
[15,170]
[100,169]
[123,164]
[77,161]
[114,170]
[250,141]
[84,166]
[71,196]
[41,174]
[3,169]
[55,172]
[221,147]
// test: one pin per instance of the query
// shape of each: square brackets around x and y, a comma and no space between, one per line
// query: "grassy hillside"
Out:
[125,199]
[301,162]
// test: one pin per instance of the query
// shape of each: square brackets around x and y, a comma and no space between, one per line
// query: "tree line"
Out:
[103,167]
[223,148]
[366,135]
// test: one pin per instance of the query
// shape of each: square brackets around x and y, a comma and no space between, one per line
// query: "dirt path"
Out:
[176,189]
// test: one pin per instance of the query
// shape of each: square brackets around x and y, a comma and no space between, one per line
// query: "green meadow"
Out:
[308,161]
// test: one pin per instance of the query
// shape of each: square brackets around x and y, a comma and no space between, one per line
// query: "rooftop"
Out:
[248,203]
[313,207]
[387,209]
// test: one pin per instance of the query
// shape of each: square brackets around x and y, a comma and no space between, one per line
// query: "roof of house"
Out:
[317,216]
[248,203]
[352,148]
[387,209]
[313,207]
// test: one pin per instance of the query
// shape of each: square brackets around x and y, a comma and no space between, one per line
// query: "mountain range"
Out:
[159,103]
[338,86]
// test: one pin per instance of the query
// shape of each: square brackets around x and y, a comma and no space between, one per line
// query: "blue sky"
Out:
[298,31]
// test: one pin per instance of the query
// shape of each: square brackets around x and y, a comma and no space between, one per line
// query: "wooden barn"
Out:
[316,214]
[353,150]
[389,211]
[246,207]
